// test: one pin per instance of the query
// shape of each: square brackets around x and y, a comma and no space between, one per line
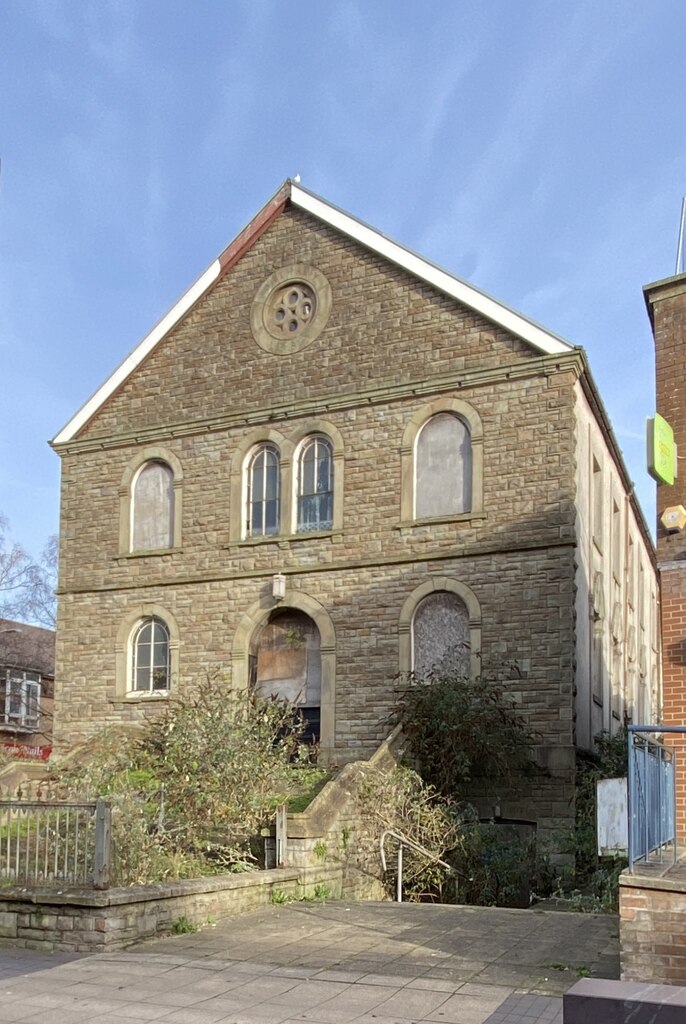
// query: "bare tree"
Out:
[27,587]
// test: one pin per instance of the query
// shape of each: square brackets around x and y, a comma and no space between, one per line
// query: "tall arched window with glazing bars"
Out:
[263,492]
[150,657]
[315,485]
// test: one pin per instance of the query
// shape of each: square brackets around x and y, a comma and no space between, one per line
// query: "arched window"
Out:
[150,657]
[315,485]
[152,507]
[440,635]
[443,467]
[263,487]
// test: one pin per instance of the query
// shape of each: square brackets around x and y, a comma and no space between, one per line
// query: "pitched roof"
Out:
[30,648]
[537,337]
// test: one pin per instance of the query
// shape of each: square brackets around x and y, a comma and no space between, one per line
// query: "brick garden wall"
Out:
[652,913]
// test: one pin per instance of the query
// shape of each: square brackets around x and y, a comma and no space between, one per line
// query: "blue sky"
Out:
[535,148]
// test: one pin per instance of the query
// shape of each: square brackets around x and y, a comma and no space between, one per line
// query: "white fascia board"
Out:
[488,307]
[136,357]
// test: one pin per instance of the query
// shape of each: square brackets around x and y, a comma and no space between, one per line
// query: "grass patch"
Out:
[301,801]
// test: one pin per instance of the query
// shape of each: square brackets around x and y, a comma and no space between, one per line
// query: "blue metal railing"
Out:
[651,792]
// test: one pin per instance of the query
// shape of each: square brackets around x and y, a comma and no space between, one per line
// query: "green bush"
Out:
[500,864]
[458,729]
[192,788]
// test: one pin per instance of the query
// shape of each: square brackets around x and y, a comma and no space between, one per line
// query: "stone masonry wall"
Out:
[392,346]
[335,830]
[97,922]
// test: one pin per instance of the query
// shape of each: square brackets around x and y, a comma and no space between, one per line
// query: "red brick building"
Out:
[666,302]
[27,673]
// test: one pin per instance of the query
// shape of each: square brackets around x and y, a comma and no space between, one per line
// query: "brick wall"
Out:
[667,309]
[652,930]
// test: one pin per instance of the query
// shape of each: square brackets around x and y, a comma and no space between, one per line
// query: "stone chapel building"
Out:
[332,462]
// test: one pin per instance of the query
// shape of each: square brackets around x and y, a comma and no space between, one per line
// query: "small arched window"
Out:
[263,489]
[152,507]
[315,485]
[440,636]
[150,657]
[443,467]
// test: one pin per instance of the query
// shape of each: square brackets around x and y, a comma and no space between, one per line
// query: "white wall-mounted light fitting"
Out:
[278,586]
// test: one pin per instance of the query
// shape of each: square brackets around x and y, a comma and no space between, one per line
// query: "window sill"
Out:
[463,517]
[152,553]
[283,538]
[142,698]
[23,729]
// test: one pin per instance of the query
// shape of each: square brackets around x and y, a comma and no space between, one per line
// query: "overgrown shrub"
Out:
[500,864]
[192,788]
[399,800]
[458,729]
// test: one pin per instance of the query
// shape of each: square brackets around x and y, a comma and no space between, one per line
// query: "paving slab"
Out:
[333,963]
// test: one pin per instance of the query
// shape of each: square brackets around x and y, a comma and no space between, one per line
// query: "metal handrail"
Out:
[404,841]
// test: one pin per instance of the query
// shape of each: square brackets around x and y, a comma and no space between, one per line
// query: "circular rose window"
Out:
[290,309]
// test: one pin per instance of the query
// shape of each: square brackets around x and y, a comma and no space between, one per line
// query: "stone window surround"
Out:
[289,447]
[123,691]
[291,273]
[412,602]
[471,418]
[151,454]
[256,616]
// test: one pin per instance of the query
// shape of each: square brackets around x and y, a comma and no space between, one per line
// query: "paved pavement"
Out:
[333,963]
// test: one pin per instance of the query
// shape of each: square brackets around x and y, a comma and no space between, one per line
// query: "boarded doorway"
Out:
[285,662]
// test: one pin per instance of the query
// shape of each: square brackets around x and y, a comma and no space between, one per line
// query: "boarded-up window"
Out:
[289,663]
[153,508]
[443,467]
[440,635]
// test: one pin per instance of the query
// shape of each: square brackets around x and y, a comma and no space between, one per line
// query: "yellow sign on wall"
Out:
[661,450]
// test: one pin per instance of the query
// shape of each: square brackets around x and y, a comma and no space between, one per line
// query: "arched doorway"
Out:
[285,661]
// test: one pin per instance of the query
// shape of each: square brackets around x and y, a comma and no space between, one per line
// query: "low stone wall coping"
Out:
[144,893]
[660,882]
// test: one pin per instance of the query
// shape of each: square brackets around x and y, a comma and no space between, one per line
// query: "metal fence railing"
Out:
[651,793]
[62,842]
